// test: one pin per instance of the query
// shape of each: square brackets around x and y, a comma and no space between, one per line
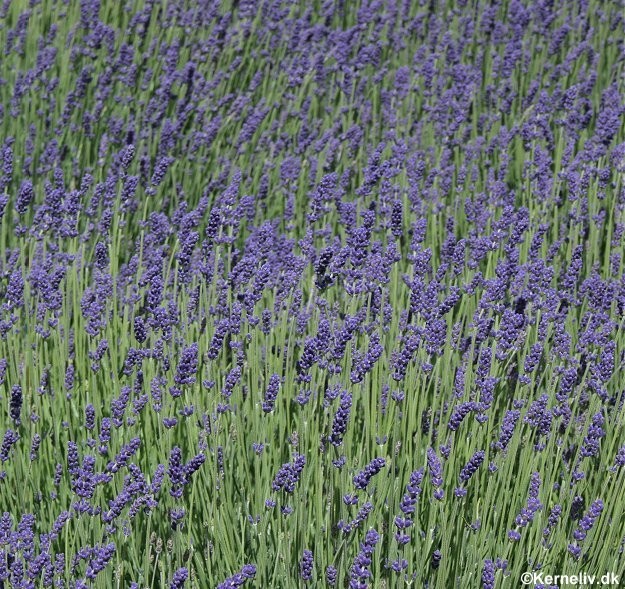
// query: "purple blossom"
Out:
[507,429]
[179,578]
[584,526]
[34,447]
[359,572]
[331,575]
[25,196]
[363,478]
[488,575]
[590,446]
[341,419]
[271,394]
[413,490]
[170,422]
[179,473]
[306,566]
[460,412]
[126,452]
[619,459]
[90,417]
[533,505]
[586,523]
[101,555]
[403,358]
[289,474]
[469,469]
[8,441]
[372,355]
[361,516]
[187,366]
[15,404]
[514,536]
[554,517]
[239,579]
[436,473]
[436,558]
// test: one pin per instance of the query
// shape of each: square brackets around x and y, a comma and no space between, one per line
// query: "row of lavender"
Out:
[311,294]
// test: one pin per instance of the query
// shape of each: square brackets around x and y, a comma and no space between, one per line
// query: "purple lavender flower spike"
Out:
[363,478]
[239,579]
[271,394]
[436,473]
[359,572]
[341,418]
[289,474]
[331,575]
[8,441]
[179,579]
[488,575]
[306,566]
[187,367]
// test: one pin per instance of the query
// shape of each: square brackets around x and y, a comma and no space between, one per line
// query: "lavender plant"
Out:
[311,294]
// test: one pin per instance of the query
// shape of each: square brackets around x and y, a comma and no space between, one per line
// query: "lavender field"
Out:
[311,294]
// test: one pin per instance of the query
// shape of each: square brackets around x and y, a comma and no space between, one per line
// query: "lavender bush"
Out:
[311,294]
